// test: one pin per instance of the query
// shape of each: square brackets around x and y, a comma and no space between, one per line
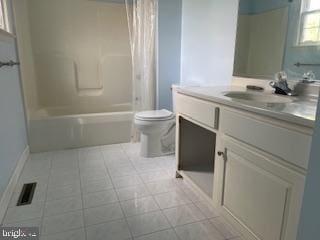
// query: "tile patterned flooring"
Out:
[110,193]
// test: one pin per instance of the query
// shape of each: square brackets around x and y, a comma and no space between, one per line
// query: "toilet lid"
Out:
[155,115]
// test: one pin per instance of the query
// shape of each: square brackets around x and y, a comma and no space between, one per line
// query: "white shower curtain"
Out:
[142,29]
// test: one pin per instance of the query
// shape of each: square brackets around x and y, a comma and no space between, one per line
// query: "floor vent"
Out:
[26,194]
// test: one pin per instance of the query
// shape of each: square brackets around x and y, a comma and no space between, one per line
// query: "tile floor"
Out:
[110,193]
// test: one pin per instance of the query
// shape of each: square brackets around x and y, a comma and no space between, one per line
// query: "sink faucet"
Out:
[308,77]
[281,84]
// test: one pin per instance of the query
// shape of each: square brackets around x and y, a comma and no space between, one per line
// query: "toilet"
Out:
[157,130]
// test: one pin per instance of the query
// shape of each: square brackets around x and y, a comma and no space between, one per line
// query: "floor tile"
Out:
[89,156]
[27,223]
[225,228]
[78,234]
[62,223]
[74,179]
[102,214]
[171,199]
[58,173]
[66,178]
[34,157]
[41,179]
[171,172]
[122,171]
[66,155]
[128,181]
[117,163]
[64,165]
[136,160]
[40,158]
[114,156]
[207,209]
[116,230]
[147,223]
[91,164]
[36,169]
[162,186]
[193,195]
[111,148]
[93,174]
[132,149]
[55,193]
[139,206]
[148,167]
[22,213]
[162,235]
[154,176]
[96,185]
[198,231]
[99,198]
[168,161]
[183,214]
[89,150]
[62,206]
[128,193]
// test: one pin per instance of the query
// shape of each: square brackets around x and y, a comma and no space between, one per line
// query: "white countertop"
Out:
[301,111]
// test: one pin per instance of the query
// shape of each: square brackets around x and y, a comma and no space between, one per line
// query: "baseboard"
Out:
[7,194]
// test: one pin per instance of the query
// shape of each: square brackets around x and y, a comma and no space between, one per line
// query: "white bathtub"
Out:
[64,128]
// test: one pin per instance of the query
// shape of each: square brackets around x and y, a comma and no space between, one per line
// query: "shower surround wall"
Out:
[81,52]
[76,61]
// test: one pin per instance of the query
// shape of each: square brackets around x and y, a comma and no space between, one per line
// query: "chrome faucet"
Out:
[281,84]
[308,77]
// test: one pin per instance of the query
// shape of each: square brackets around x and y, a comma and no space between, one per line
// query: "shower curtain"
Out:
[142,22]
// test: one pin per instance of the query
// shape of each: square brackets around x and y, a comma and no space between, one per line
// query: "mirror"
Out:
[276,35]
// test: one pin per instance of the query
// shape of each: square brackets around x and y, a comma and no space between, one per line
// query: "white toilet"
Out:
[157,132]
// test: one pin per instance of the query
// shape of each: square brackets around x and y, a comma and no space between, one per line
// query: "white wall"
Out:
[208,41]
[309,221]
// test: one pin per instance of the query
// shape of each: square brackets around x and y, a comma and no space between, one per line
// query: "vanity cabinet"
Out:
[258,192]
[197,154]
[257,165]
[291,143]
[203,112]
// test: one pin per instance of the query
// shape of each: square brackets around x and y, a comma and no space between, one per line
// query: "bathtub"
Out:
[74,127]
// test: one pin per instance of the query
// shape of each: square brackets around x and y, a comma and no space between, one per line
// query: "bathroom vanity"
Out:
[247,153]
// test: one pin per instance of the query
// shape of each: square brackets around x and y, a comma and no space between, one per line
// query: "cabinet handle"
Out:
[223,154]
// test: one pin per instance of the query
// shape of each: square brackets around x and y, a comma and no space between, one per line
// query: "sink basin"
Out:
[258,97]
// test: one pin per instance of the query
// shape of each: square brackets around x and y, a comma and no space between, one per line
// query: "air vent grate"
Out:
[26,194]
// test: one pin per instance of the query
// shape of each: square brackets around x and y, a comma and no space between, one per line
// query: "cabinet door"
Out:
[262,195]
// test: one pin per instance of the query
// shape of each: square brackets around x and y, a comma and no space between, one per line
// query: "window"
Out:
[310,23]
[4,21]
[2,25]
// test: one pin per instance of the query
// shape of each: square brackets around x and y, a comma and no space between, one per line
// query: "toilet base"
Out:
[157,134]
[150,145]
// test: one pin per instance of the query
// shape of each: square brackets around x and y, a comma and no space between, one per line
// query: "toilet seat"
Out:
[157,115]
